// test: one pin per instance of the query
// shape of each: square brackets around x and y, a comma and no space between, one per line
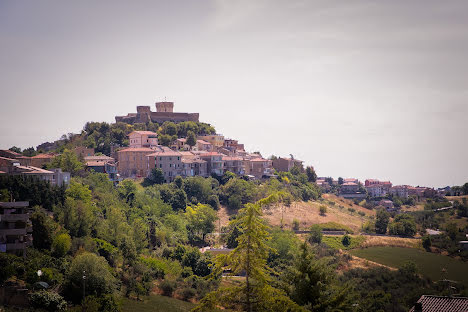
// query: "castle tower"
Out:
[165,107]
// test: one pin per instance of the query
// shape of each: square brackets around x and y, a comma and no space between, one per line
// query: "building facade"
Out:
[15,227]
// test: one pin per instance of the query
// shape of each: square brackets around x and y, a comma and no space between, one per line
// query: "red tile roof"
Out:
[259,159]
[203,142]
[137,149]
[44,156]
[349,183]
[210,154]
[442,304]
[144,132]
[229,158]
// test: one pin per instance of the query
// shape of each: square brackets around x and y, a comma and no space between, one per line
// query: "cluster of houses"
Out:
[211,154]
[12,163]
[352,188]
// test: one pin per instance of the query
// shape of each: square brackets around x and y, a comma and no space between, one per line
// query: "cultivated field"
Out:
[429,264]
[156,303]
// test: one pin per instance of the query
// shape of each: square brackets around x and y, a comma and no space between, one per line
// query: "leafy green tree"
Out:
[68,162]
[43,229]
[179,182]
[191,139]
[179,200]
[404,225]
[15,149]
[426,242]
[213,201]
[323,210]
[200,220]
[381,221]
[250,257]
[61,245]
[78,191]
[156,176]
[311,175]
[315,235]
[198,187]
[346,240]
[99,280]
[465,188]
[169,128]
[165,139]
[340,180]
[29,152]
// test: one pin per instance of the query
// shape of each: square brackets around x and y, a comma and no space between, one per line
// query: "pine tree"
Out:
[250,259]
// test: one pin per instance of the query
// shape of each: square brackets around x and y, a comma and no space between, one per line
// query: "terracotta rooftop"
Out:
[210,154]
[231,158]
[164,152]
[144,132]
[98,158]
[259,160]
[95,163]
[203,142]
[349,183]
[137,149]
[44,156]
[441,304]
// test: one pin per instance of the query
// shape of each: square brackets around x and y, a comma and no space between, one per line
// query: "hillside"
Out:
[339,210]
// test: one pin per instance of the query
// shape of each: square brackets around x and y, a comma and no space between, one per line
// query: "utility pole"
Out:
[84,291]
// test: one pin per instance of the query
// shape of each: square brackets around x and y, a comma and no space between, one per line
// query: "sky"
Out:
[365,89]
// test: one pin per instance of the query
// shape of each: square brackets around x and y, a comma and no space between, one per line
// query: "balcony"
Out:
[13,231]
[14,217]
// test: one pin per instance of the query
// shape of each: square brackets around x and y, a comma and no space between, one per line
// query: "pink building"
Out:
[138,139]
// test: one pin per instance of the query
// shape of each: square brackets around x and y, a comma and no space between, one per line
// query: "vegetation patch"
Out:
[429,264]
[334,226]
[336,242]
[156,303]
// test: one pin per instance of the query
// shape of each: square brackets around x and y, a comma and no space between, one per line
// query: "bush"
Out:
[426,242]
[167,287]
[61,245]
[352,210]
[188,293]
[346,240]
[295,225]
[47,300]
[323,210]
[315,235]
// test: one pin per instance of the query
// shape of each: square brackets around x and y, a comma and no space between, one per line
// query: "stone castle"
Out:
[164,112]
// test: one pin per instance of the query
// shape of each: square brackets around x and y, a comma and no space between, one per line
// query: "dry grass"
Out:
[372,241]
[307,213]
[361,263]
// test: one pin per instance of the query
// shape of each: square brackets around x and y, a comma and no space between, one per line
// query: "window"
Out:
[160,165]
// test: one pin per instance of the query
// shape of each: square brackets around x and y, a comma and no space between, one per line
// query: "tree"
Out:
[200,220]
[404,225]
[99,280]
[310,283]
[156,176]
[43,229]
[178,200]
[191,139]
[311,175]
[250,257]
[340,180]
[426,242]
[61,245]
[381,221]
[315,235]
[346,240]
[29,152]
[323,210]
[179,182]
[15,149]
[465,188]
[169,128]
[68,162]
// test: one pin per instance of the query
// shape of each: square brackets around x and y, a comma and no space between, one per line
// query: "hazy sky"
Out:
[367,89]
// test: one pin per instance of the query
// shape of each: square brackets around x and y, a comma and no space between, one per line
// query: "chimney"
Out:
[418,307]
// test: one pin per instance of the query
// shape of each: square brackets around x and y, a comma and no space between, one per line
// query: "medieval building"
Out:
[164,112]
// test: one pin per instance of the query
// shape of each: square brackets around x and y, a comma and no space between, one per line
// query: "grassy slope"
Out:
[156,303]
[429,264]
[308,213]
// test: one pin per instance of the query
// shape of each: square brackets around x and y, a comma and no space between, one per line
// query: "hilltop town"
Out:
[144,205]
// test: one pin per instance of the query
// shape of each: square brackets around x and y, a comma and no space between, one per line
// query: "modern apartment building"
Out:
[15,227]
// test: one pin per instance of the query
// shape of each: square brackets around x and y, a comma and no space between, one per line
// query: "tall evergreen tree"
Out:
[250,258]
